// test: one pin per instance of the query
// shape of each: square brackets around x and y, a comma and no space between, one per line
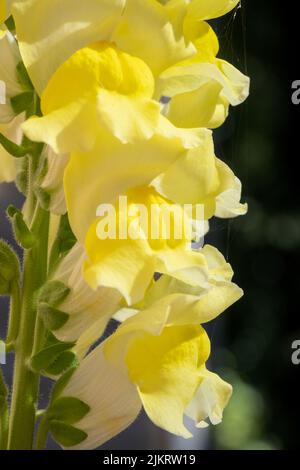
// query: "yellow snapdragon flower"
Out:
[156,359]
[195,177]
[201,87]
[183,289]
[89,311]
[99,87]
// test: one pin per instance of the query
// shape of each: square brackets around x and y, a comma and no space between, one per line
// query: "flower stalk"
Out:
[26,381]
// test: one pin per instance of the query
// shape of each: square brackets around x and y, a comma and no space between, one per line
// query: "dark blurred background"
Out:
[252,341]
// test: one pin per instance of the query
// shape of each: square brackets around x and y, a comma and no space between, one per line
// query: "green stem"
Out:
[26,382]
[42,434]
[4,414]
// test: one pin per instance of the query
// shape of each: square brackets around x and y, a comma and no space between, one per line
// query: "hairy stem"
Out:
[26,381]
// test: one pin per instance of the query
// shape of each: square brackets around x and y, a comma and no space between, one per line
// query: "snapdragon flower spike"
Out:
[156,359]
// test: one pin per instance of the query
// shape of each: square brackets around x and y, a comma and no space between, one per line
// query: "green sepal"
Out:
[69,410]
[53,293]
[43,359]
[61,384]
[23,235]
[22,178]
[64,242]
[66,435]
[53,318]
[22,102]
[23,77]
[17,151]
[62,363]
[10,23]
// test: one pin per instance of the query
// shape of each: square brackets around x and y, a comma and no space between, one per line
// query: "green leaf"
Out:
[61,384]
[53,293]
[17,151]
[9,262]
[22,102]
[22,233]
[69,410]
[62,363]
[66,435]
[53,318]
[43,359]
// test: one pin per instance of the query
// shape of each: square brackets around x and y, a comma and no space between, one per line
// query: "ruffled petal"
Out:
[210,399]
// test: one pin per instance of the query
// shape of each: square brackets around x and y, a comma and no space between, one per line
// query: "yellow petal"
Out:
[219,269]
[99,87]
[203,107]
[201,92]
[111,169]
[146,30]
[198,177]
[165,371]
[228,200]
[4,10]
[51,31]
[210,399]
[128,261]
[185,305]
[203,37]
[126,265]
[192,178]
